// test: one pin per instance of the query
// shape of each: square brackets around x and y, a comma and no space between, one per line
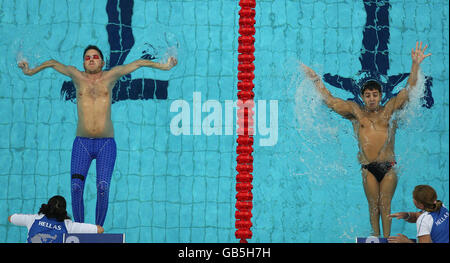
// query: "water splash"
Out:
[411,114]
[161,48]
[172,46]
[410,124]
[320,129]
[23,54]
[20,57]
[22,48]
[312,113]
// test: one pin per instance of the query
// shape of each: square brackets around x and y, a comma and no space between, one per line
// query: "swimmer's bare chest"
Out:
[94,108]
[373,137]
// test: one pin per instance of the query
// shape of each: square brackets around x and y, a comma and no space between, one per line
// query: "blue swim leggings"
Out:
[84,150]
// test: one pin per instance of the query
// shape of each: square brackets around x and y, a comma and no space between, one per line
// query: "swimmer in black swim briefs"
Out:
[379,169]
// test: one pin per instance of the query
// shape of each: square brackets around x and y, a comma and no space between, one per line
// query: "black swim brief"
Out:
[379,169]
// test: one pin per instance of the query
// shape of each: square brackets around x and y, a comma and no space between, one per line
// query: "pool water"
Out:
[308,188]
[170,186]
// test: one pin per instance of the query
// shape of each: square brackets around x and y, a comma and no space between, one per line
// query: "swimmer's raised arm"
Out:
[119,71]
[347,109]
[69,71]
[417,56]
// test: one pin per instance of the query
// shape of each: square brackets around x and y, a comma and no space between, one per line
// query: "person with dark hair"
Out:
[431,222]
[95,132]
[376,136]
[94,48]
[371,85]
[51,222]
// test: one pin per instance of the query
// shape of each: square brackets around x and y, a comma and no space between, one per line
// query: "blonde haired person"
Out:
[431,221]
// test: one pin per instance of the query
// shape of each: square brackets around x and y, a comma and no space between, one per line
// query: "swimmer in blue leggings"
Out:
[95,132]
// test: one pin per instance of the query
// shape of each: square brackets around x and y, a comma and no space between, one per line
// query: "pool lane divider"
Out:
[244,149]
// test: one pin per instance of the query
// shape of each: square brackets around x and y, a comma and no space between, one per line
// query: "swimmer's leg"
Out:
[79,167]
[106,159]
[372,191]
[387,190]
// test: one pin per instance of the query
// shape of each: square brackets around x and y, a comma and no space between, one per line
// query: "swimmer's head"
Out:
[371,94]
[371,85]
[93,59]
[94,48]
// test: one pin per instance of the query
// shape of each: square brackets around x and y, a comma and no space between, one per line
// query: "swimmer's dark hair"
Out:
[93,47]
[55,208]
[371,85]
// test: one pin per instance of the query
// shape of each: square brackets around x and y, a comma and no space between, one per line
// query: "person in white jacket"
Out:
[51,222]
[431,222]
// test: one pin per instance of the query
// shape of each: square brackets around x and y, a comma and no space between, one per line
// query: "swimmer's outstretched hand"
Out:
[311,74]
[25,68]
[171,62]
[308,71]
[399,215]
[418,54]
